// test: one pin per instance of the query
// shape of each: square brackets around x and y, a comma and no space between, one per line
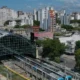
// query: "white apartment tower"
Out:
[6,14]
[65,18]
[38,14]
[44,17]
[25,19]
[35,14]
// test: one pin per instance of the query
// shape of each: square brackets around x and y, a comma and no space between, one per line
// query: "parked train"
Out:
[68,77]
[21,63]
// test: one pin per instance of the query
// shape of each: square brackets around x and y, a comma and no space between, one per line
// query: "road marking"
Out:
[16,72]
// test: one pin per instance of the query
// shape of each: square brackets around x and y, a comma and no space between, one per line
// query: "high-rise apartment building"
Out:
[35,14]
[44,17]
[20,13]
[51,20]
[38,15]
[7,14]
[75,16]
[65,18]
[24,19]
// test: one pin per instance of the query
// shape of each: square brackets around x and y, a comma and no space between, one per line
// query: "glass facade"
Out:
[16,44]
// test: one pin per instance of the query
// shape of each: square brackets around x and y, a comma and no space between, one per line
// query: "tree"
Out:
[77,45]
[39,42]
[75,21]
[52,48]
[6,23]
[41,29]
[58,34]
[58,21]
[18,22]
[36,23]
[25,26]
[16,26]
[77,58]
[67,27]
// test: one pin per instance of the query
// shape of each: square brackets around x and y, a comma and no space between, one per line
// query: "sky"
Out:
[29,5]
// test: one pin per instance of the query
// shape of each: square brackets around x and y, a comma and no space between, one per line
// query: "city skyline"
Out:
[29,5]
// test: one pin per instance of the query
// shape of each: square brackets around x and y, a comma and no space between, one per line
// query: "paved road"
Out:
[69,61]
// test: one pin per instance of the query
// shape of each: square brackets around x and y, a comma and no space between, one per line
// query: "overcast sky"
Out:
[29,5]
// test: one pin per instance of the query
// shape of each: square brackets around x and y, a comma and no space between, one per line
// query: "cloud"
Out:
[69,1]
[41,4]
[29,7]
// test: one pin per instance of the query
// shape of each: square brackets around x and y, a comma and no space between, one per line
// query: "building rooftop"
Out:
[75,37]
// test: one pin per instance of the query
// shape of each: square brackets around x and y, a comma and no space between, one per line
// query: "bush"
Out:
[41,29]
[36,23]
[77,58]
[77,45]
[75,21]
[6,23]
[67,27]
[17,26]
[57,59]
[24,26]
[57,34]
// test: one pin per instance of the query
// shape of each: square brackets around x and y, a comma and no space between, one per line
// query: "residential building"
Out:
[64,17]
[35,28]
[67,21]
[38,15]
[23,19]
[75,16]
[20,13]
[26,19]
[6,14]
[70,42]
[35,14]
[51,20]
[44,17]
